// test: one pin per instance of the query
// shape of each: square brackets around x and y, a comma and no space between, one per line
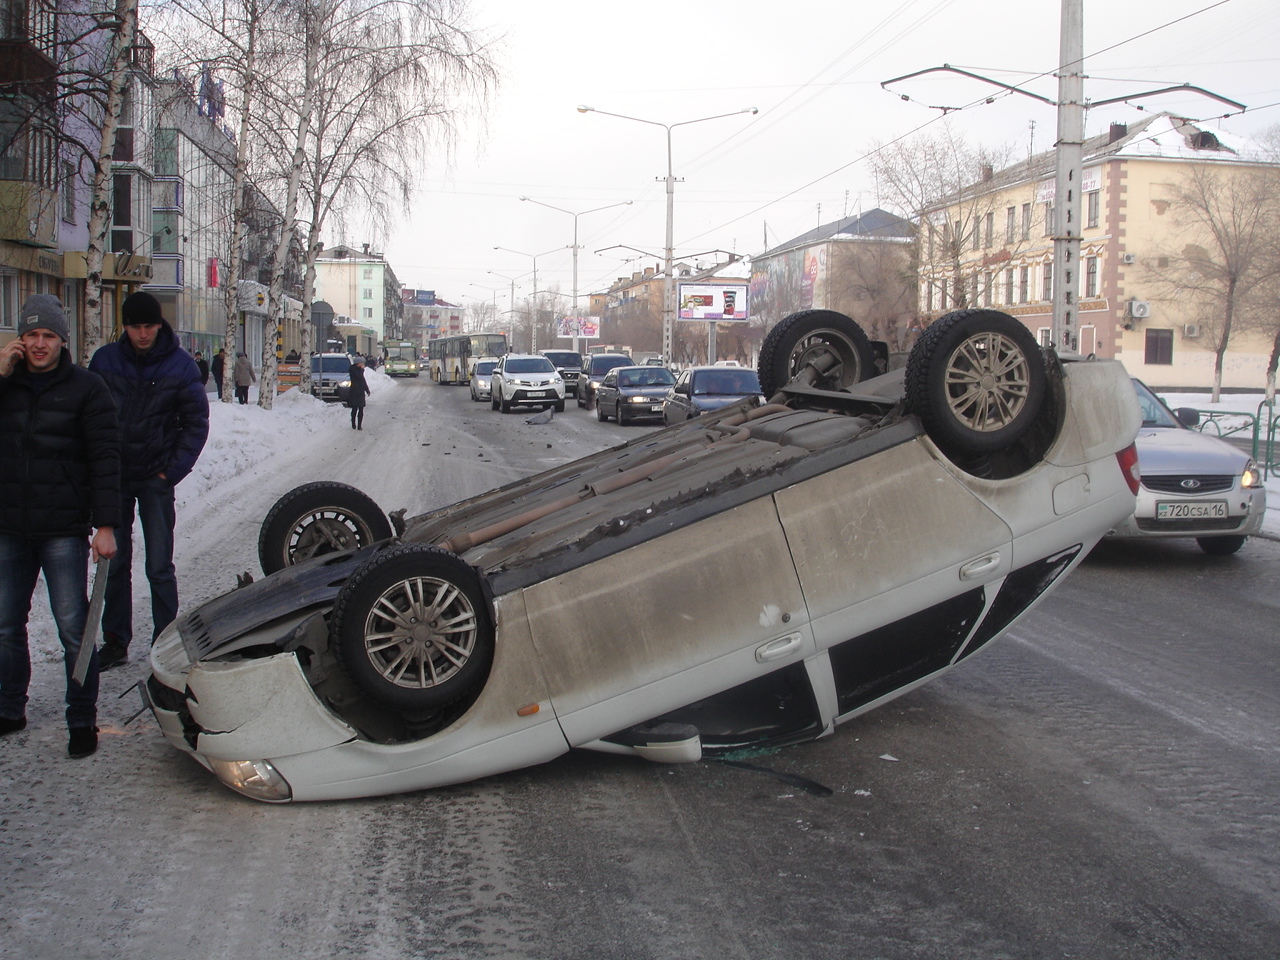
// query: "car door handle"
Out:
[778,648]
[979,567]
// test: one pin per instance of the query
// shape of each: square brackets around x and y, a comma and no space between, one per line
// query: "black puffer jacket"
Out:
[161,403]
[59,454]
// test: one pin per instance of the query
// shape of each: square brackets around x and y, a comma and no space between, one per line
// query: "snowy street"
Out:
[1101,783]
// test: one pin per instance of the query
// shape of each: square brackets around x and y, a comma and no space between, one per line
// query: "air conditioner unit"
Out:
[1128,258]
[1139,309]
[1191,330]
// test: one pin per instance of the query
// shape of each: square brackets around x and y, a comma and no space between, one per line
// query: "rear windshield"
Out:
[331,364]
[529,365]
[484,368]
[605,364]
[725,382]
[563,358]
[657,377]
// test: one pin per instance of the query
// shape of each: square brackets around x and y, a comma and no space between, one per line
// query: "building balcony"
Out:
[28,214]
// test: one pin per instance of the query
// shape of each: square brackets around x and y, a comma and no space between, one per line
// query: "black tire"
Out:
[412,629]
[493,399]
[316,519]
[977,380]
[805,336]
[619,415]
[504,404]
[600,414]
[558,406]
[1220,546]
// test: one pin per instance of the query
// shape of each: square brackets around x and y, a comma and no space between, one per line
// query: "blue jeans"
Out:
[65,562]
[154,497]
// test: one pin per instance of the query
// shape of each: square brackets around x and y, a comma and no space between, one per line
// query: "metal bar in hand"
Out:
[93,623]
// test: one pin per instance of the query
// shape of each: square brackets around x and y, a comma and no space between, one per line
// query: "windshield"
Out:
[655,377]
[727,381]
[529,365]
[485,367]
[331,364]
[401,351]
[564,358]
[1154,412]
[602,365]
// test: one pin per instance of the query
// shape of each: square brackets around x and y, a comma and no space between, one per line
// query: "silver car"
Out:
[480,378]
[1193,485]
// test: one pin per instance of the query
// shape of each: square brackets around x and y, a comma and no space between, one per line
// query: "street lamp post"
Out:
[494,292]
[512,311]
[668,299]
[533,321]
[575,216]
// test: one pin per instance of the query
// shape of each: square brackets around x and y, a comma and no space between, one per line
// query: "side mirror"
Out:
[1188,416]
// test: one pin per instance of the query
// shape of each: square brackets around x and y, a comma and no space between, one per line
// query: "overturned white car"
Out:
[753,576]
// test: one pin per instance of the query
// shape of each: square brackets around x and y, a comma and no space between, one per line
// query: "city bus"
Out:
[400,358]
[451,358]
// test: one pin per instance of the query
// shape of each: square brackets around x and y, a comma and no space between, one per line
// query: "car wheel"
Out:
[558,406]
[412,629]
[600,414]
[318,518]
[1220,546]
[619,415]
[802,338]
[504,404]
[977,380]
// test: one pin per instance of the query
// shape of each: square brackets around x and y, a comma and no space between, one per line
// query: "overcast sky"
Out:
[814,71]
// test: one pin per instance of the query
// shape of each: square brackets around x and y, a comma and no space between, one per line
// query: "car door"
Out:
[608,392]
[675,407]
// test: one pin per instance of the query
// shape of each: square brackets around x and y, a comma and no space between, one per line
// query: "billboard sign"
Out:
[722,302]
[585,327]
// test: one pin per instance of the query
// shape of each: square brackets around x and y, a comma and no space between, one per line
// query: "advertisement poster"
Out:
[725,302]
[586,327]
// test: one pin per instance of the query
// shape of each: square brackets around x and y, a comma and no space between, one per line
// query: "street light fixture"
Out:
[512,311]
[608,206]
[533,319]
[494,292]
[668,299]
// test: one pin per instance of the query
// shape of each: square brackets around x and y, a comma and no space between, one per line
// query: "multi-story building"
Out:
[992,246]
[859,266]
[361,285]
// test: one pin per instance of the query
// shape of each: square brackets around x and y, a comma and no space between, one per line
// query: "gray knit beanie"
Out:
[44,312]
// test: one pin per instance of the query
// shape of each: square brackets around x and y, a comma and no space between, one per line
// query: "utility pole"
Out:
[1069,157]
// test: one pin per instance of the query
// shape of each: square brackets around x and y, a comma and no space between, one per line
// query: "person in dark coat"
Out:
[219,365]
[164,422]
[59,483]
[355,399]
[203,366]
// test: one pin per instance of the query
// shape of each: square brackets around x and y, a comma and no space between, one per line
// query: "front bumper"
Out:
[1244,511]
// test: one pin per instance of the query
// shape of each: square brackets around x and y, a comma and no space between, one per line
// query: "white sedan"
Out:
[752,577]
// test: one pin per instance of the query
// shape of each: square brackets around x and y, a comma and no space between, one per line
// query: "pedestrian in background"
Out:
[355,399]
[219,365]
[244,376]
[203,366]
[164,422]
[59,505]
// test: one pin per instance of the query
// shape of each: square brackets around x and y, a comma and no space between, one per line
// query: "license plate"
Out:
[655,408]
[538,393]
[1181,510]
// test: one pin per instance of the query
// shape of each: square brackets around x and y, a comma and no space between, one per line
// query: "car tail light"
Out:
[1128,460]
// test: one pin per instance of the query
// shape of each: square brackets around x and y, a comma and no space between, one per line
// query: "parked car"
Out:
[481,371]
[629,394]
[770,573]
[1193,484]
[331,376]
[522,379]
[598,364]
[569,366]
[699,390]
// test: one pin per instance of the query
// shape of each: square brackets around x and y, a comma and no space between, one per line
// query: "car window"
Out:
[1154,412]
[528,365]
[644,378]
[563,358]
[726,381]
[600,365]
[485,368]
[610,379]
[330,364]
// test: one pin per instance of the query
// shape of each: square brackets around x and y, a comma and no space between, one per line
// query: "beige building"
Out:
[361,286]
[993,247]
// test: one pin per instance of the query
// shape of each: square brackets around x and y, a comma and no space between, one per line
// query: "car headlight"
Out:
[640,399]
[1251,479]
[256,779]
[344,383]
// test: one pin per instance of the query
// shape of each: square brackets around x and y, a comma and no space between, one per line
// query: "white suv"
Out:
[524,379]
